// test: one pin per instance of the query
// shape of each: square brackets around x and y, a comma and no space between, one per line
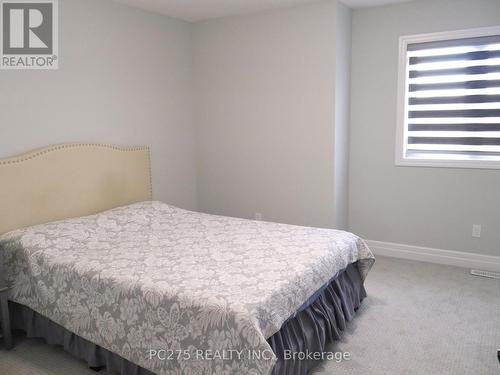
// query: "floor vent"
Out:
[489,274]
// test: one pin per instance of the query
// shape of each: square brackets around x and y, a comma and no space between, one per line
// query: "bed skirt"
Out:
[318,322]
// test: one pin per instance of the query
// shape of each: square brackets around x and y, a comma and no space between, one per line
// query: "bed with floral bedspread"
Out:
[206,291]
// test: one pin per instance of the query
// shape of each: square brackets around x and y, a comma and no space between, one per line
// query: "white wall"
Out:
[265,107]
[125,77]
[432,207]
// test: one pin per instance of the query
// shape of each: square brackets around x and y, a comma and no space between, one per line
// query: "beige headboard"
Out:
[71,180]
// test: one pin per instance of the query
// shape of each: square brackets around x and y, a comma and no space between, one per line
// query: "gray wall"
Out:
[342,93]
[265,107]
[270,109]
[125,77]
[432,207]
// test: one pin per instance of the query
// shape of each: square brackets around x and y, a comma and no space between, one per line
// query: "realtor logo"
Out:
[29,34]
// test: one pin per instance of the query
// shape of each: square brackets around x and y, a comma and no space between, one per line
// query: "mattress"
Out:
[149,277]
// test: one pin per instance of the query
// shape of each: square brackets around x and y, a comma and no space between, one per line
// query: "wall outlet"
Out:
[476,230]
[258,216]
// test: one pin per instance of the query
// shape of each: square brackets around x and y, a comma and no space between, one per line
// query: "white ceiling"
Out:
[196,10]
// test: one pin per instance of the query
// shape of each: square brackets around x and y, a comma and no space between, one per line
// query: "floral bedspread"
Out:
[175,291]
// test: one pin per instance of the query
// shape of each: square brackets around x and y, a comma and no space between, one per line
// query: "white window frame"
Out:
[402,100]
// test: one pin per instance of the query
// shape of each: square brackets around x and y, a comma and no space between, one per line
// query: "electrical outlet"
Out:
[258,216]
[476,230]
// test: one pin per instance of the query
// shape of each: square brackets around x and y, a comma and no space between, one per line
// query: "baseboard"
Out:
[439,256]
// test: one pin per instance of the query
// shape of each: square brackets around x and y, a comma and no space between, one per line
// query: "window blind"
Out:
[453,99]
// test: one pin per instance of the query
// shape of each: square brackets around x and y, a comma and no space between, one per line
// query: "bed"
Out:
[143,287]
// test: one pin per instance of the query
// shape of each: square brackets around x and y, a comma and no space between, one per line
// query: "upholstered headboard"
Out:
[71,180]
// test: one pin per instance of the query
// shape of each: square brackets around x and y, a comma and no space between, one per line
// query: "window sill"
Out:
[434,163]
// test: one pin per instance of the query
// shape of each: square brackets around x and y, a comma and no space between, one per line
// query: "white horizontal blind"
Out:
[453,99]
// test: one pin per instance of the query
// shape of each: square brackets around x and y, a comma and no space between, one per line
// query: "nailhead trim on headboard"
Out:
[37,153]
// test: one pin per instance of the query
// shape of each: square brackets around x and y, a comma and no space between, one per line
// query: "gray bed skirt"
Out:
[319,322]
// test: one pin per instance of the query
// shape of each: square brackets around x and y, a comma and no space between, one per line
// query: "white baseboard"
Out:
[426,254]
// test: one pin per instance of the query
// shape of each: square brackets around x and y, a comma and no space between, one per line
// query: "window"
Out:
[449,99]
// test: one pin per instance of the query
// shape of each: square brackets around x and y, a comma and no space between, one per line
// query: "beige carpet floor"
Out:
[419,318]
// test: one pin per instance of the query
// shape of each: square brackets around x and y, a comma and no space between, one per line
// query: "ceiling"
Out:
[371,3]
[196,10]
